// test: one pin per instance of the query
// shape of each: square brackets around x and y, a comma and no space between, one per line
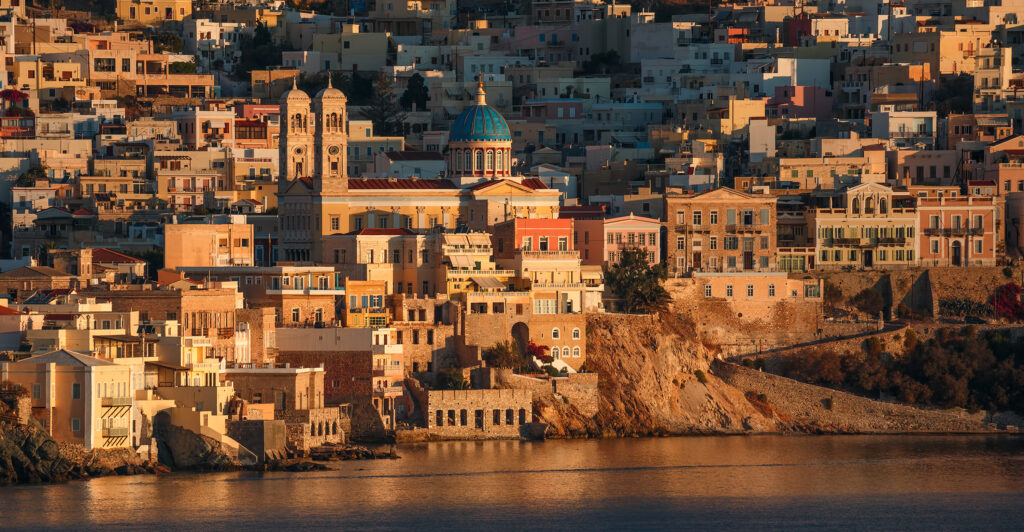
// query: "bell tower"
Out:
[331,142]
[296,141]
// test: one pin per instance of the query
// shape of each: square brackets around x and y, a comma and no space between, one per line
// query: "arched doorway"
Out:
[956,256]
[521,336]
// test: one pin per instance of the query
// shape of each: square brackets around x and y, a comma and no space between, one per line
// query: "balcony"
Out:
[551,254]
[845,241]
[388,391]
[116,432]
[743,228]
[116,401]
[389,349]
[388,370]
[693,228]
[895,241]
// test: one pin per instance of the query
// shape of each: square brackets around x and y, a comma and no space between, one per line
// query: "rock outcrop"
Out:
[29,455]
[656,377]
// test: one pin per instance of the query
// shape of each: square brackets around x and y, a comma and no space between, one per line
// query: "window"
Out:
[76,425]
[707,290]
[335,223]
[935,247]
[714,242]
[295,315]
[714,217]
[696,218]
[680,243]
[977,246]
[728,290]
[37,391]
[575,352]
[576,334]
[771,290]
[76,390]
[555,334]
[750,290]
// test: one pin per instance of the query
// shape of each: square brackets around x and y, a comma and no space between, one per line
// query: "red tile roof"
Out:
[534,183]
[83,212]
[104,255]
[8,311]
[381,184]
[60,317]
[378,231]
[582,212]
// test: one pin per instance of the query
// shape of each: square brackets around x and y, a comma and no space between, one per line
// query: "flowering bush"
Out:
[1005,301]
[13,95]
[540,352]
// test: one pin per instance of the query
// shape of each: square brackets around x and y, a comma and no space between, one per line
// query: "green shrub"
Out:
[552,371]
[748,362]
[701,377]
[868,301]
[1008,272]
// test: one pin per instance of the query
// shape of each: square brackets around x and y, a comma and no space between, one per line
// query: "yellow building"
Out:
[77,398]
[364,304]
[152,12]
[872,228]
[318,198]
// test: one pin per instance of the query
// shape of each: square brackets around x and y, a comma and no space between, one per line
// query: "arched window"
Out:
[576,333]
[556,353]
[555,333]
[490,160]
[856,206]
[869,205]
[883,206]
[479,160]
[456,160]
[500,160]
[469,160]
[576,352]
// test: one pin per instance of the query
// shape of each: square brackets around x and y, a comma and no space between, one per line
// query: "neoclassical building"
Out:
[317,198]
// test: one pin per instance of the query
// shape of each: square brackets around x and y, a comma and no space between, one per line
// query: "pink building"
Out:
[799,102]
[588,231]
[632,232]
[532,234]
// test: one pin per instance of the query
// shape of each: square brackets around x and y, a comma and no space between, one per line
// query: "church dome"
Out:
[479,122]
[294,94]
[330,93]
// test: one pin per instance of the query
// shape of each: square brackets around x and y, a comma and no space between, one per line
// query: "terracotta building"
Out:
[722,230]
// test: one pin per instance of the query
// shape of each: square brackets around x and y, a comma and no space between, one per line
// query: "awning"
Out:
[479,240]
[460,261]
[488,282]
[219,124]
[456,240]
[166,365]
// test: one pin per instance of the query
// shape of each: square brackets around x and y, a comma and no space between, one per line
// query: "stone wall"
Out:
[267,439]
[580,390]
[479,414]
[347,374]
[314,427]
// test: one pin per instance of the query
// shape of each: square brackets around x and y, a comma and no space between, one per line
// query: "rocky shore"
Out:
[657,378]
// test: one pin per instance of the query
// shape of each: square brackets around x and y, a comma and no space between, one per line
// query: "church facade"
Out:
[317,198]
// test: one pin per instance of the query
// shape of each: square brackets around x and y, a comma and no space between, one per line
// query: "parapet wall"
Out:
[479,414]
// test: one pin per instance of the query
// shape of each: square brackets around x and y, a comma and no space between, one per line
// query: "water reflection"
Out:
[573,483]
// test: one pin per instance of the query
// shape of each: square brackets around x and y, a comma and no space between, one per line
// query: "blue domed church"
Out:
[480,143]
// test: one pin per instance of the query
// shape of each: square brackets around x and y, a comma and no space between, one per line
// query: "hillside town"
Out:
[286,226]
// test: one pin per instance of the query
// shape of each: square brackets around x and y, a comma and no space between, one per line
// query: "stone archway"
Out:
[521,336]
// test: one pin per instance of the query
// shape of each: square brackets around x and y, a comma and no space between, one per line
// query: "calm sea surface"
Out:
[735,483]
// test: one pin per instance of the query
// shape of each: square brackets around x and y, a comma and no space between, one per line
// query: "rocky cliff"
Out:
[654,379]
[658,378]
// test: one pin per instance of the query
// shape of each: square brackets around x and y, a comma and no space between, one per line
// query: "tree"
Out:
[954,95]
[503,354]
[28,179]
[166,42]
[384,109]
[451,379]
[258,52]
[416,93]
[183,67]
[638,284]
[1006,302]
